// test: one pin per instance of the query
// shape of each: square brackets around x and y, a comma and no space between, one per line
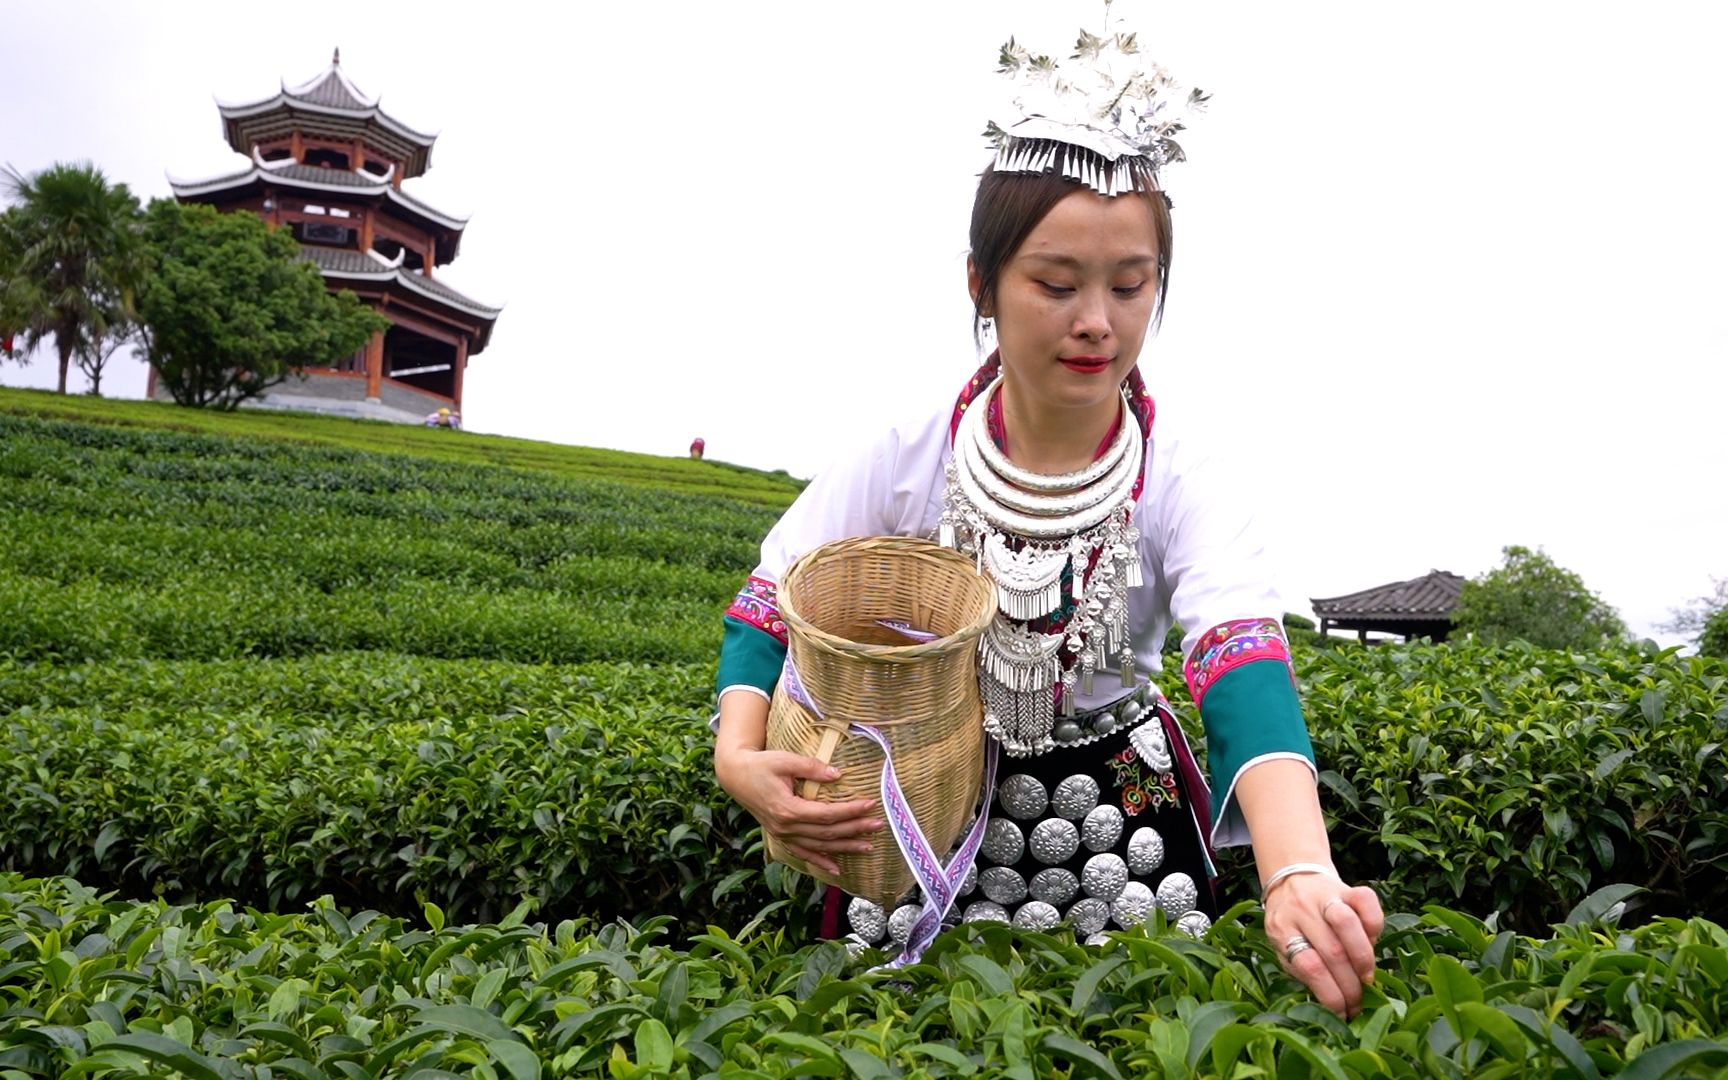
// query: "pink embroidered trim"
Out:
[1228,646]
[758,603]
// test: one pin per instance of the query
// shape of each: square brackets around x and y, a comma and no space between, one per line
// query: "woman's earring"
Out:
[989,325]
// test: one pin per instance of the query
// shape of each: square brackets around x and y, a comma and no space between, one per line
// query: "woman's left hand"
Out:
[1341,923]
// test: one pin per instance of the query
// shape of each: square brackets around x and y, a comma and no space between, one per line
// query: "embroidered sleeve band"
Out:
[749,657]
[1252,715]
[758,603]
[1228,646]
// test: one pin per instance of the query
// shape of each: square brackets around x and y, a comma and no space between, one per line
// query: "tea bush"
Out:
[383,780]
[1518,779]
[1454,774]
[127,543]
[92,986]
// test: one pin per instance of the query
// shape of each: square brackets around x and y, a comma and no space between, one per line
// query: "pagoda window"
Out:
[280,153]
[326,159]
[323,233]
[337,211]
[376,167]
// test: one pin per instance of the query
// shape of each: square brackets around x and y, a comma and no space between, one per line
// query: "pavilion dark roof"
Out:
[1434,595]
[333,91]
[343,263]
[293,175]
[327,104]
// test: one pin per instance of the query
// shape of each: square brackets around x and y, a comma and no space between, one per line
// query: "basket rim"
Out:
[814,635]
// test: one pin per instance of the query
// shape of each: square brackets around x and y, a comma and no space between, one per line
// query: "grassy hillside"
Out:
[468,448]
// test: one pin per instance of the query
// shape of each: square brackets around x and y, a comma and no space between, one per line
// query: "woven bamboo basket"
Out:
[922,696]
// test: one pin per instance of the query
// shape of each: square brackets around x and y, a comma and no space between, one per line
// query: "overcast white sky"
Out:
[1455,271]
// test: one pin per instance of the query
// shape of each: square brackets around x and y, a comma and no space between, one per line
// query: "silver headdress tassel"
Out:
[1107,119]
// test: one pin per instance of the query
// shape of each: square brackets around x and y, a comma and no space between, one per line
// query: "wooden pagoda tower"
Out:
[329,164]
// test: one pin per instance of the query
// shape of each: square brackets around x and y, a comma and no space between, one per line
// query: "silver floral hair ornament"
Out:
[1107,119]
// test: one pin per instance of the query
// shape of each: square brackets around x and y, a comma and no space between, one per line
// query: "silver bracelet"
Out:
[1298,868]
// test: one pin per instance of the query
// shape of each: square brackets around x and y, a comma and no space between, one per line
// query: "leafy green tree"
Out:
[229,309]
[1714,639]
[70,257]
[96,351]
[1704,620]
[1531,598]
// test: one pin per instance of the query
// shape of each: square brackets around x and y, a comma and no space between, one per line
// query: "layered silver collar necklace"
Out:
[1033,533]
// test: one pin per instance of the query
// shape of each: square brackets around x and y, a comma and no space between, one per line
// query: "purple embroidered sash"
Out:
[939,884]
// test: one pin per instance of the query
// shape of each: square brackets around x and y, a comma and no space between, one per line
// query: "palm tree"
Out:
[70,256]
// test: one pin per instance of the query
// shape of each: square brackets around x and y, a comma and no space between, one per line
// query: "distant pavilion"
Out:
[328,164]
[1420,607]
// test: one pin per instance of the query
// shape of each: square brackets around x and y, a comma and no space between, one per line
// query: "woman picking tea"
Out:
[1101,528]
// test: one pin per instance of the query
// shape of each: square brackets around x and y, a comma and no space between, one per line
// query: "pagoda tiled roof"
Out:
[346,263]
[1431,596]
[332,89]
[312,177]
[331,96]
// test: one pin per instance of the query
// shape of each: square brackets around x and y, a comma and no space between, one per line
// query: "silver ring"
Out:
[1294,946]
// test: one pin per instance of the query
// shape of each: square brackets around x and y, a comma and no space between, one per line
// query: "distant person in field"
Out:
[1102,526]
[697,447]
[444,418]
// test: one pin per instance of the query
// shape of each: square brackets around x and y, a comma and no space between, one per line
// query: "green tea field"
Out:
[340,749]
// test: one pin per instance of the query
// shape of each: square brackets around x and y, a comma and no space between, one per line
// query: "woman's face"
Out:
[1074,303]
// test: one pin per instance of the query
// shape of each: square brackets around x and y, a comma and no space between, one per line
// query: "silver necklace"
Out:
[1025,529]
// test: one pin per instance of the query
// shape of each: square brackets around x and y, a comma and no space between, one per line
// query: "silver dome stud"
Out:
[1145,851]
[1054,840]
[1022,796]
[868,919]
[1132,906]
[1104,876]
[1002,885]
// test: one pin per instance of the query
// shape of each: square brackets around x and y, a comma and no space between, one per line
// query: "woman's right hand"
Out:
[765,782]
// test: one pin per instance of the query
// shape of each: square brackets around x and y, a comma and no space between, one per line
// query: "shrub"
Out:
[127,989]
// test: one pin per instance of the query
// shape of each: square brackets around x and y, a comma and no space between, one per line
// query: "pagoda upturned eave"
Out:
[342,265]
[350,183]
[327,99]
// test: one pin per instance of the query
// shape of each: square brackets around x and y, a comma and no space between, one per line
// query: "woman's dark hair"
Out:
[1009,206]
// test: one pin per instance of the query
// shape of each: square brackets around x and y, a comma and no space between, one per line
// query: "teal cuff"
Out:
[749,657]
[1250,712]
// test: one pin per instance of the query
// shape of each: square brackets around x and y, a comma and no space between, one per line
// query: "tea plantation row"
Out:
[107,988]
[137,543]
[1511,781]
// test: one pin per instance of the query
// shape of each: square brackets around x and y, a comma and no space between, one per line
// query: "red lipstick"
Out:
[1086,365]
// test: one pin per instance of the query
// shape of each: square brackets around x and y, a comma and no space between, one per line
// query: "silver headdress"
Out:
[1107,119]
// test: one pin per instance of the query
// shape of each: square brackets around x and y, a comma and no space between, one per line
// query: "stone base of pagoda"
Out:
[341,393]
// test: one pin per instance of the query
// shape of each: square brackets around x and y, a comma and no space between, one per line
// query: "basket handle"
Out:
[824,754]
